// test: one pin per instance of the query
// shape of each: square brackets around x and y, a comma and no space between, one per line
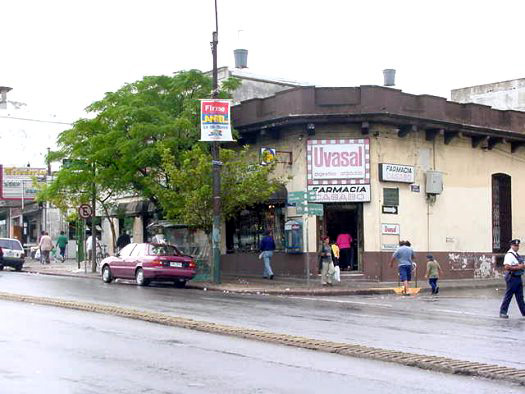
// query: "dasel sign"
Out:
[391,229]
[396,173]
[85,211]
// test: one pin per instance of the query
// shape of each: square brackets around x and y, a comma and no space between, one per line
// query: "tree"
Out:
[188,198]
[143,140]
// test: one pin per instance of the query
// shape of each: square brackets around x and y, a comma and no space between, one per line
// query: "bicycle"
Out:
[102,253]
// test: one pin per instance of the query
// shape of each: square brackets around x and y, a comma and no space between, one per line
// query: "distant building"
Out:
[507,95]
[255,86]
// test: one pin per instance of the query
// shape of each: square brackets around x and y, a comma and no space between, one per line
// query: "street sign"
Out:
[85,211]
[390,209]
[301,197]
[310,209]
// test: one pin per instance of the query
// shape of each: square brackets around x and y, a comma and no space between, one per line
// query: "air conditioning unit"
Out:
[434,182]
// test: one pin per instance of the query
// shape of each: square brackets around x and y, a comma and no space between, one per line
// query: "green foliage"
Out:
[144,140]
[118,149]
[189,198]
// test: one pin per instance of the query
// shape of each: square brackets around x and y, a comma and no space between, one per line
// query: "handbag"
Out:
[337,274]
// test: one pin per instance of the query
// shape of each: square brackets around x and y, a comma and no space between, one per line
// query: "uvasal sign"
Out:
[215,120]
[338,161]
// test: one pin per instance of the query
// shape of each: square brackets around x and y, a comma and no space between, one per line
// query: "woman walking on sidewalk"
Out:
[327,265]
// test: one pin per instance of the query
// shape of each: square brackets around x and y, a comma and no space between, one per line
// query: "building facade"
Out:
[386,166]
[499,95]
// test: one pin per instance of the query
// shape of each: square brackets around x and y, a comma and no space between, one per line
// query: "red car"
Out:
[149,262]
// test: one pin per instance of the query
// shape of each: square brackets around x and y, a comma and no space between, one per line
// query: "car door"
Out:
[118,263]
[131,261]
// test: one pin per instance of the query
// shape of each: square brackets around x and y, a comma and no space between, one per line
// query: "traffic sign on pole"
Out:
[85,211]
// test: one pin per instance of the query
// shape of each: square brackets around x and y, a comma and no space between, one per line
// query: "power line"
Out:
[35,120]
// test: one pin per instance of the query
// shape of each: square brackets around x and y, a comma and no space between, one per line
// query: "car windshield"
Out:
[163,250]
[10,244]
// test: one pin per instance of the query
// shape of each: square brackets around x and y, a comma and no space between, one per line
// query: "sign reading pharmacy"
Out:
[397,173]
[215,120]
[341,193]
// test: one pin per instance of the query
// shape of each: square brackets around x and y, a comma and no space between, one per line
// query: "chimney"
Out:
[3,93]
[389,75]
[241,58]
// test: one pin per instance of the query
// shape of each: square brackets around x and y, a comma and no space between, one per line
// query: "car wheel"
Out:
[139,277]
[1,267]
[107,277]
[180,284]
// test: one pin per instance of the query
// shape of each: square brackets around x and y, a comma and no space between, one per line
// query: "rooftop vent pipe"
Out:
[241,58]
[3,93]
[389,75]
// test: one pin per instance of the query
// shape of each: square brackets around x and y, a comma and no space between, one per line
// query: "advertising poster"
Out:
[215,120]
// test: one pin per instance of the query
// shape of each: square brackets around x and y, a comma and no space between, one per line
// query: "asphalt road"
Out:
[54,350]
[462,325]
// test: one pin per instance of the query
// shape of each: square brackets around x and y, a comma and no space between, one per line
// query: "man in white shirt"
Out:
[89,246]
[514,267]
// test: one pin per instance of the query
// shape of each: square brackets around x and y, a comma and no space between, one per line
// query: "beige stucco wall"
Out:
[459,220]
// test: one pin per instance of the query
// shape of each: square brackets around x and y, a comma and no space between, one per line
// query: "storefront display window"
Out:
[244,233]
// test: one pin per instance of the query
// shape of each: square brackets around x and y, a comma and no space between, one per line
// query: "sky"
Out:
[61,55]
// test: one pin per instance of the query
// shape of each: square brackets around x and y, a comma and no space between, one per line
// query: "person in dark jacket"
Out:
[267,247]
[123,240]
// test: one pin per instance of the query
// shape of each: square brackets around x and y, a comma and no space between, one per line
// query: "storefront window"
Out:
[244,233]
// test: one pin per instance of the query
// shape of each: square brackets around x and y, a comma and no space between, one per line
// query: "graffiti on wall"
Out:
[482,266]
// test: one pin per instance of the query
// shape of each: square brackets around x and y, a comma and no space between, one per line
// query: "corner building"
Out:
[386,166]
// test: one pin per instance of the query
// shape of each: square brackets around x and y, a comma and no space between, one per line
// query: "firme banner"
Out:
[215,120]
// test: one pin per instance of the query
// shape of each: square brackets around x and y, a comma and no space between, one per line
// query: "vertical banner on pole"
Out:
[215,120]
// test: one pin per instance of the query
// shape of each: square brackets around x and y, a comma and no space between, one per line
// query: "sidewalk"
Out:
[278,286]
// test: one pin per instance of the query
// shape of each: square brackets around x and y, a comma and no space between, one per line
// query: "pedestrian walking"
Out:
[405,256]
[45,245]
[344,242]
[514,266]
[433,271]
[42,233]
[61,245]
[335,259]
[267,247]
[327,265]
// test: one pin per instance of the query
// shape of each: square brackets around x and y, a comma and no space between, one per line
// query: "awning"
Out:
[135,207]
[280,196]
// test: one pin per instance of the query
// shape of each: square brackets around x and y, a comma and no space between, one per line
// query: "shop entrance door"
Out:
[346,218]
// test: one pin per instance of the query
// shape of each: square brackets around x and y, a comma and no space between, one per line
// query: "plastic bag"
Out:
[337,274]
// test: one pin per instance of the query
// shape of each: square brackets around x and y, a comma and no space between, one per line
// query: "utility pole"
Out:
[93,224]
[216,165]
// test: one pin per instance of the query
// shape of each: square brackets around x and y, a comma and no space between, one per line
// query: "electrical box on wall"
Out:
[434,182]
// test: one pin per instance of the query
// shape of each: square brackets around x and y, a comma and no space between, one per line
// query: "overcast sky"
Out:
[60,55]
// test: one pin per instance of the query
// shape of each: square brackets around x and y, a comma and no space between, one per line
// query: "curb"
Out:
[433,363]
[320,292]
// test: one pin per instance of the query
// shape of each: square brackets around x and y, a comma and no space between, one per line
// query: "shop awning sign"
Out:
[340,193]
[343,161]
[397,173]
[17,182]
[215,120]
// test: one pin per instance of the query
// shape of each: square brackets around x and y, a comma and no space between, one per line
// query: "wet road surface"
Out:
[461,325]
[53,350]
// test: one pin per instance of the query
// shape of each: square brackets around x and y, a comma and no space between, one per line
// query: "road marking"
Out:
[434,363]
[342,301]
